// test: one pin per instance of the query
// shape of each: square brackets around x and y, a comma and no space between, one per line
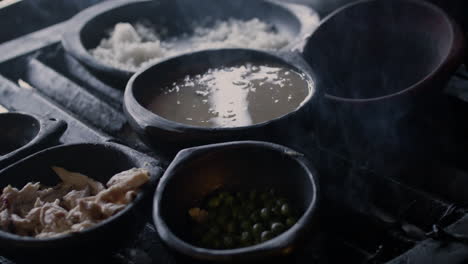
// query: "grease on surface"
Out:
[233,96]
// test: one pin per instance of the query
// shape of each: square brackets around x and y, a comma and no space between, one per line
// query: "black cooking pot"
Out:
[173,136]
[93,24]
[381,64]
[23,134]
[100,162]
[241,166]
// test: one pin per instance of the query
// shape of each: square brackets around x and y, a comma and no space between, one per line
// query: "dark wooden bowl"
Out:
[173,136]
[23,134]
[100,162]
[379,62]
[91,25]
[375,50]
[241,165]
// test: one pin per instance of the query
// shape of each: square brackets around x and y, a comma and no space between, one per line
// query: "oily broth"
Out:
[233,96]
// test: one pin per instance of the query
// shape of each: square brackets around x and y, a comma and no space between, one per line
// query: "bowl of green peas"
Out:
[236,201]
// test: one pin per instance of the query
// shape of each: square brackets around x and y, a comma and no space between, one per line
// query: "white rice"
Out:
[131,47]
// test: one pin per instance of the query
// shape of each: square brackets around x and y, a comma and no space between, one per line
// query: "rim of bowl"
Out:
[73,44]
[454,47]
[114,147]
[130,102]
[44,128]
[279,242]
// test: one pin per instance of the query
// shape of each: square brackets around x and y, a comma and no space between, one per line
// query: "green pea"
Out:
[245,238]
[285,210]
[243,214]
[216,244]
[277,228]
[228,242]
[276,210]
[224,209]
[240,196]
[214,230]
[246,225]
[214,202]
[236,212]
[229,200]
[270,203]
[253,195]
[280,202]
[255,217]
[272,192]
[206,240]
[266,235]
[212,215]
[243,218]
[265,213]
[222,195]
[231,227]
[250,207]
[222,219]
[290,221]
[257,229]
[264,196]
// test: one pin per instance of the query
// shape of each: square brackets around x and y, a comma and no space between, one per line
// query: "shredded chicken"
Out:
[78,180]
[71,199]
[77,203]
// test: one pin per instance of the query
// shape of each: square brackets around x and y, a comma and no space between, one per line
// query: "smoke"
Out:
[365,58]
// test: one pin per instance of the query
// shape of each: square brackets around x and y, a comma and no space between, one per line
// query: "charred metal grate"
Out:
[364,218]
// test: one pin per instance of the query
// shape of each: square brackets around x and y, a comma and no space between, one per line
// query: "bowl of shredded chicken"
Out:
[75,204]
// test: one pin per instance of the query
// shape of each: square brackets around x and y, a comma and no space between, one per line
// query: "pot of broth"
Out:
[218,95]
[236,96]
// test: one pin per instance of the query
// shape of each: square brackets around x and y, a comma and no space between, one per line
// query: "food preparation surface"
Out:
[364,217]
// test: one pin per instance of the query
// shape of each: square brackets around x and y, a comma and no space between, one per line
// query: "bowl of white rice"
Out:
[118,38]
